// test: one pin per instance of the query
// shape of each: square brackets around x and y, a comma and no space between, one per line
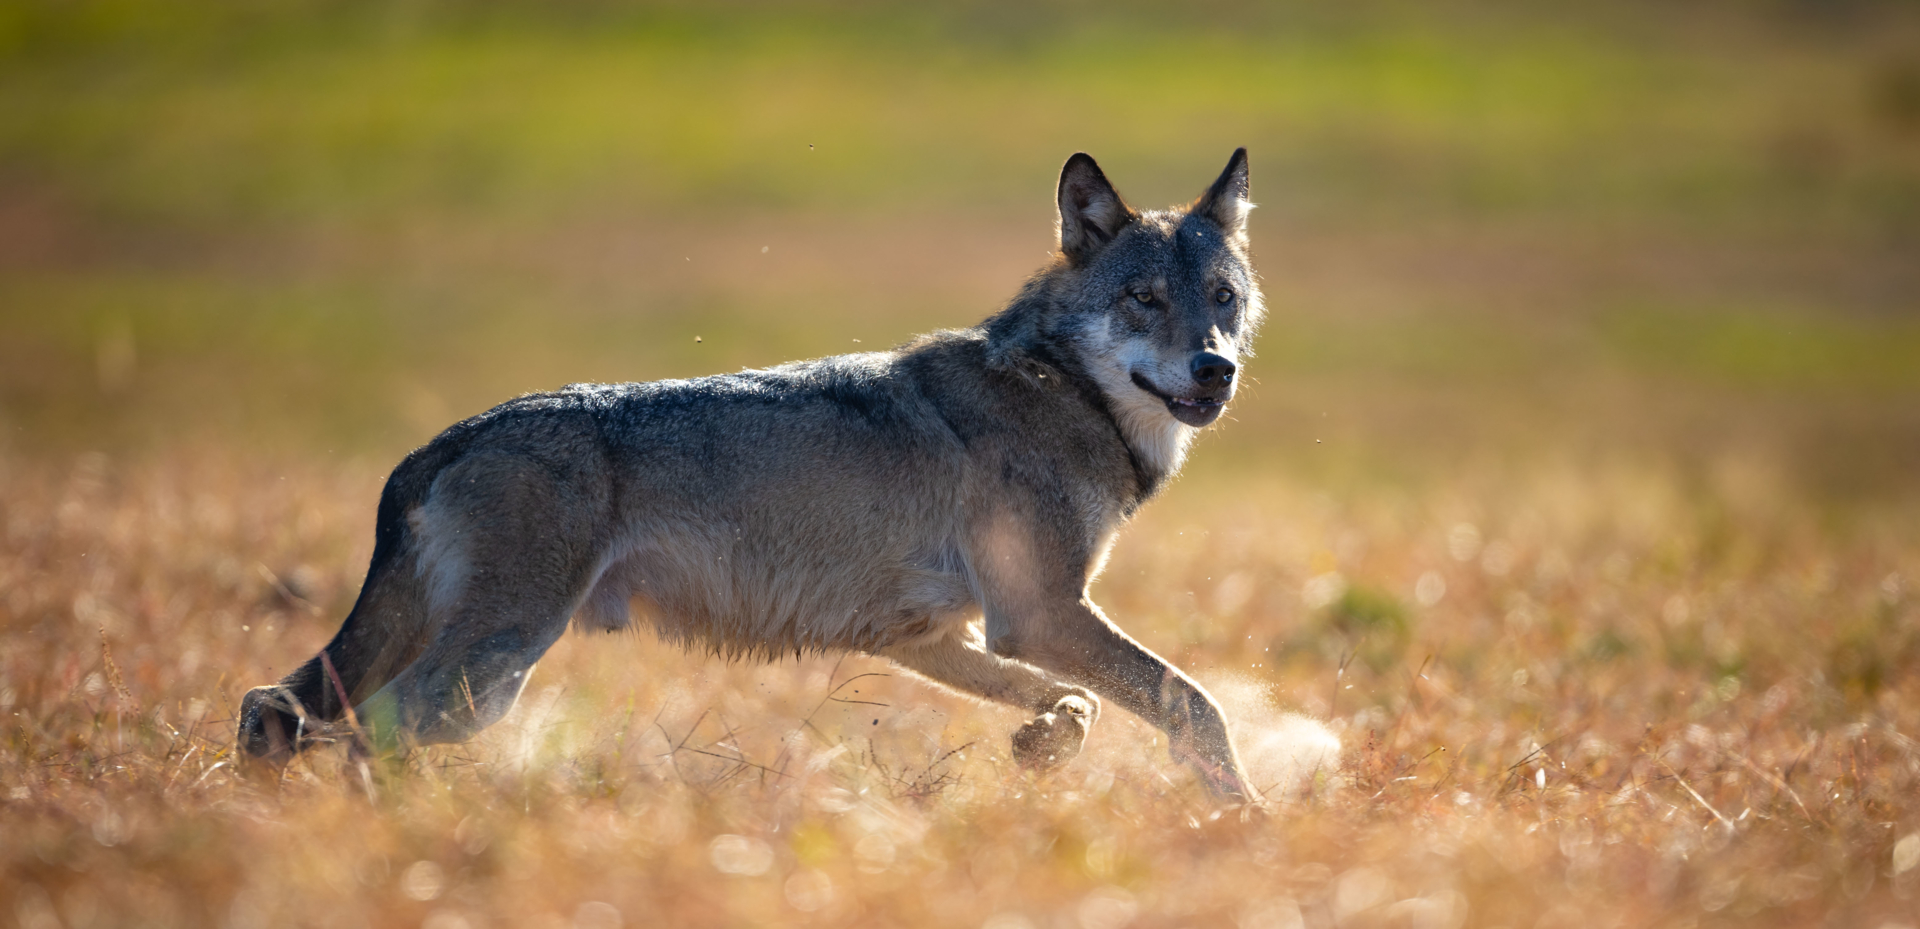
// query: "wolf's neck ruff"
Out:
[944,505]
[1151,468]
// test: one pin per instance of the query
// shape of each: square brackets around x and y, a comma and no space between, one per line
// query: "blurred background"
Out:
[1680,235]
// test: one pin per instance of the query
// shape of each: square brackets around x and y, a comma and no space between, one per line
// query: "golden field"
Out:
[1627,707]
[1559,566]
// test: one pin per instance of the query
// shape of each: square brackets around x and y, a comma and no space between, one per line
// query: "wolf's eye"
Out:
[1144,296]
[1223,295]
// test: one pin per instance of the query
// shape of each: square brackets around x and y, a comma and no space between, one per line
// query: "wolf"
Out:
[945,505]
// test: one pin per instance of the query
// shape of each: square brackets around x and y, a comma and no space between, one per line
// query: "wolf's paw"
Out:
[270,727]
[1219,771]
[1053,738]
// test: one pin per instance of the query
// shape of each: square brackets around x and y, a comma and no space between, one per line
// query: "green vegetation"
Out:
[324,112]
[278,215]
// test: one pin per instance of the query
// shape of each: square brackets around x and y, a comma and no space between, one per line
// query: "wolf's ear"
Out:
[1226,201]
[1091,211]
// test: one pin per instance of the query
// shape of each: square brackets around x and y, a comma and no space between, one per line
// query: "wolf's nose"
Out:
[1211,370]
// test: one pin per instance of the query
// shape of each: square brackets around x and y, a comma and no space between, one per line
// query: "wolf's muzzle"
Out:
[1197,410]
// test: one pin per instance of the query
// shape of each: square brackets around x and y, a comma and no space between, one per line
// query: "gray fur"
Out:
[945,504]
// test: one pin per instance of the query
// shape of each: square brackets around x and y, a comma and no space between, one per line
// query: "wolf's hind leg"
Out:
[479,659]
[382,635]
[463,684]
[509,546]
[962,661]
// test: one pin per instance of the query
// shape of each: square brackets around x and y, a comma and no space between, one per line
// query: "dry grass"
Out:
[1635,703]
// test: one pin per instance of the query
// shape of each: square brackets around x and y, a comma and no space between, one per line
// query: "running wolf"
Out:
[945,504]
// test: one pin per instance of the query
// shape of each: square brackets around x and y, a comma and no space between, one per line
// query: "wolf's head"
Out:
[1157,307]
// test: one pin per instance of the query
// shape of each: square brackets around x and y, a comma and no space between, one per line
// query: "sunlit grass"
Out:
[1621,704]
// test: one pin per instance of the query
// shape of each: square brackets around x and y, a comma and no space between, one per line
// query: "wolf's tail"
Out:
[384,632]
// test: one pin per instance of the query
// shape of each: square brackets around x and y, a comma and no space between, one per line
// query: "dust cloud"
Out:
[1281,749]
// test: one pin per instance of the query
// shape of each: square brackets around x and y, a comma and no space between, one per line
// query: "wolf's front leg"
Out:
[1081,645]
[1055,737]
[961,660]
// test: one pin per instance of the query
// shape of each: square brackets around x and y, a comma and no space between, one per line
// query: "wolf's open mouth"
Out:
[1194,411]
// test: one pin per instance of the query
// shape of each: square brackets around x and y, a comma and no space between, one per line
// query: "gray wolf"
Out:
[945,505]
